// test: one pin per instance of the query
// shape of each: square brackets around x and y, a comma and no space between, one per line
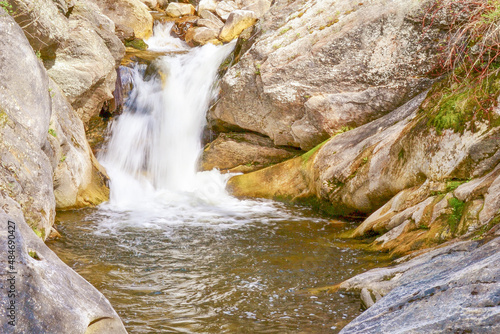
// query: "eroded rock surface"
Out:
[320,66]
[49,296]
[450,289]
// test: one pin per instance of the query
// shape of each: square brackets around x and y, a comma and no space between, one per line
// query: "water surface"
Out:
[250,277]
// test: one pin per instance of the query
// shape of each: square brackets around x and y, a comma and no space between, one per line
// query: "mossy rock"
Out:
[137,43]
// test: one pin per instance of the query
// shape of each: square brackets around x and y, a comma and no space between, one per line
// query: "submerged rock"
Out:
[455,289]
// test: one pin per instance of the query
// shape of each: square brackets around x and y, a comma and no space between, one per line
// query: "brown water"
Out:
[257,277]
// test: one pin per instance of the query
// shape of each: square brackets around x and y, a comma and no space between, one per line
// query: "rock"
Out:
[176,9]
[289,180]
[80,52]
[102,25]
[84,69]
[450,289]
[210,25]
[49,296]
[129,13]
[152,4]
[209,20]
[25,109]
[314,70]
[236,22]
[200,35]
[224,8]
[259,7]
[207,5]
[79,180]
[232,151]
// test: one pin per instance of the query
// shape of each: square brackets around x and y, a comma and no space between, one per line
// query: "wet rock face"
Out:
[49,296]
[320,66]
[450,289]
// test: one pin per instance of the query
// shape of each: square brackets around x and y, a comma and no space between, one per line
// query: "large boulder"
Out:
[316,69]
[419,188]
[25,111]
[129,13]
[450,289]
[45,295]
[79,180]
[79,50]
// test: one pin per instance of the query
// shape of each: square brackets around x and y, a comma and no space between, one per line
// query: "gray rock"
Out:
[317,68]
[450,289]
[25,110]
[224,8]
[80,52]
[259,7]
[49,296]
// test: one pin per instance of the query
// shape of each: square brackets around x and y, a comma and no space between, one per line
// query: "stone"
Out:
[176,9]
[309,72]
[453,288]
[259,7]
[224,8]
[84,69]
[80,52]
[236,22]
[208,5]
[50,297]
[200,35]
[210,20]
[79,180]
[130,13]
[25,111]
[232,152]
[152,4]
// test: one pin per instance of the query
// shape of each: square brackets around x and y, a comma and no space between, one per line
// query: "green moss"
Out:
[306,156]
[457,209]
[137,43]
[459,105]
[454,184]
[284,31]
[37,232]
[33,254]
[480,233]
[52,132]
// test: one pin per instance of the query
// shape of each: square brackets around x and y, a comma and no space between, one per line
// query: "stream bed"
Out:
[259,275]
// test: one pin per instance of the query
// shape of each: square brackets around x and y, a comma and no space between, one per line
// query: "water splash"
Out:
[152,155]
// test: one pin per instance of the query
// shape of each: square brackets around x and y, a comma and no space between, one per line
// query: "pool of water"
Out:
[260,276]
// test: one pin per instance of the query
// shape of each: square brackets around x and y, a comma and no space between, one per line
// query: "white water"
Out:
[153,152]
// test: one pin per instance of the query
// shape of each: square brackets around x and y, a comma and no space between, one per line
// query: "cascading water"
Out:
[155,145]
[172,250]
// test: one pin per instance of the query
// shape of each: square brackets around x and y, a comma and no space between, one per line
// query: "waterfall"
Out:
[152,154]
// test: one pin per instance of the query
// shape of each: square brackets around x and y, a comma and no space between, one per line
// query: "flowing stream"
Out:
[173,251]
